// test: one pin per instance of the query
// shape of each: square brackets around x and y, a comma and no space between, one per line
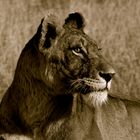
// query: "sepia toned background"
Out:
[114,24]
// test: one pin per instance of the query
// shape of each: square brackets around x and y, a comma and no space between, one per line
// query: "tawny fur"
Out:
[60,78]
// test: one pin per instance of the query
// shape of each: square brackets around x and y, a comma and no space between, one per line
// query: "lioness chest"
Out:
[80,125]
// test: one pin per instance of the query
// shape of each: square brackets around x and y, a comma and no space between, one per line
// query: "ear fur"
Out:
[74,20]
[47,32]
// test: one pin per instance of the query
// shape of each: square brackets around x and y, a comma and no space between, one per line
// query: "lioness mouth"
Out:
[93,91]
[88,85]
[98,93]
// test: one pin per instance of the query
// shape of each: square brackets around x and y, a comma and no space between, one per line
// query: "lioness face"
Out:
[88,73]
[80,67]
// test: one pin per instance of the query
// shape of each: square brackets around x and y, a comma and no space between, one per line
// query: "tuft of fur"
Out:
[96,99]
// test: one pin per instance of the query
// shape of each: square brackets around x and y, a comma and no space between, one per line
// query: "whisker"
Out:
[76,81]
[75,84]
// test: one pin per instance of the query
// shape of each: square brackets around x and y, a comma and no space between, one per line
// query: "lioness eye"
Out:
[77,50]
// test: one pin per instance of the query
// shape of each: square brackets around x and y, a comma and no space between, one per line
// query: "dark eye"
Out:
[77,50]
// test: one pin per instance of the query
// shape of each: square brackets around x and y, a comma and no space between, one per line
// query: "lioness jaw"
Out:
[59,70]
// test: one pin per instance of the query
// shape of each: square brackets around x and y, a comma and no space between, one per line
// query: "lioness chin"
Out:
[60,77]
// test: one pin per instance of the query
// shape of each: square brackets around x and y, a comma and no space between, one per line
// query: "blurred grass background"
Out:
[114,24]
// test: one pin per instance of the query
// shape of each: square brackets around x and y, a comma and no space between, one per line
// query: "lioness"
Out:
[60,77]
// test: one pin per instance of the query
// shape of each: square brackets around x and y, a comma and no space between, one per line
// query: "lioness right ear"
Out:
[74,20]
[47,32]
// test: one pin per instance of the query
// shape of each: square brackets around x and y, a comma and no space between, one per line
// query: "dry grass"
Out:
[114,24]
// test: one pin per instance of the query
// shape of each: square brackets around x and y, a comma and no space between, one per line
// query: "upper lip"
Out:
[87,85]
[96,84]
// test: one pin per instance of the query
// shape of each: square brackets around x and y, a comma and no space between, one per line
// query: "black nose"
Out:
[106,76]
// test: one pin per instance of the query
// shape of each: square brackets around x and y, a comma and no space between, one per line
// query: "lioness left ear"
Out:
[74,20]
[47,32]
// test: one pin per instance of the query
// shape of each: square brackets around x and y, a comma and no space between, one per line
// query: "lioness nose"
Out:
[107,75]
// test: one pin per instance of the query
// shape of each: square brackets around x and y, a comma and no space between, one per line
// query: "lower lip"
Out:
[100,90]
[97,91]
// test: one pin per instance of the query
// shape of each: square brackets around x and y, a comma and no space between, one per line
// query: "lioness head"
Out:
[68,61]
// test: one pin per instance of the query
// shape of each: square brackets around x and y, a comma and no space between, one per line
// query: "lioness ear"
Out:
[47,32]
[74,20]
